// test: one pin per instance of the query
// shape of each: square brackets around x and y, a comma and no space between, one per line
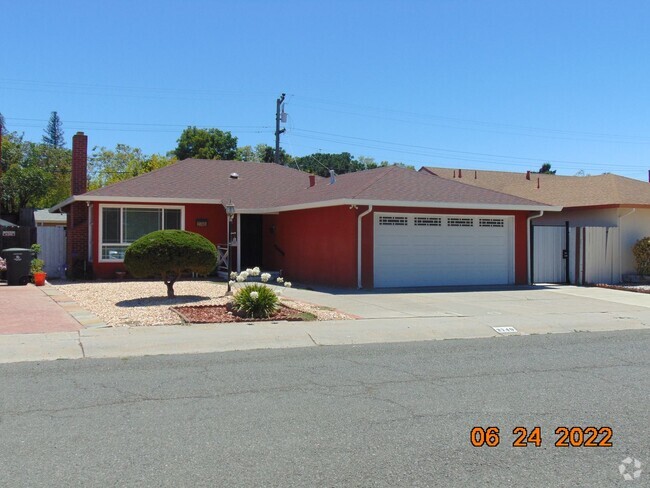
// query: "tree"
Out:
[206,144]
[321,163]
[546,169]
[54,132]
[33,174]
[107,166]
[168,254]
[3,126]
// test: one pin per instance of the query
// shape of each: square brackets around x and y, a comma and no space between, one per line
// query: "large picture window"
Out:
[120,226]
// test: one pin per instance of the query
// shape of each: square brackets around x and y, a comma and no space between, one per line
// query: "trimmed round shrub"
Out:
[256,301]
[168,254]
[641,252]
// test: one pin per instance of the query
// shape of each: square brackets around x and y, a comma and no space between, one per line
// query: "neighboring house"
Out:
[385,227]
[606,215]
[45,218]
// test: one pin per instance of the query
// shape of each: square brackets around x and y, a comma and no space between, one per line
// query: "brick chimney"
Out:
[79,179]
[528,175]
[460,173]
[78,212]
[312,180]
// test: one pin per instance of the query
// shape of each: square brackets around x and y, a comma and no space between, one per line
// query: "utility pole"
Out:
[278,131]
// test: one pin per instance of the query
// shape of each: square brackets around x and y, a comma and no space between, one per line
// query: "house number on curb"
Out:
[505,330]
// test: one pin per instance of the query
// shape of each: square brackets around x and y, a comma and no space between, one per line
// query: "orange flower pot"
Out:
[39,279]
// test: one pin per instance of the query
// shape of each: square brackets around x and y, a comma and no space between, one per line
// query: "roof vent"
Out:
[332,177]
[234,176]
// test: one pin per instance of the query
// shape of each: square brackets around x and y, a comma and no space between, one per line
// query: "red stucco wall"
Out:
[215,231]
[319,245]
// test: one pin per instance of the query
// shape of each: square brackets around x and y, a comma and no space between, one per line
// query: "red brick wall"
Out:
[79,177]
[77,221]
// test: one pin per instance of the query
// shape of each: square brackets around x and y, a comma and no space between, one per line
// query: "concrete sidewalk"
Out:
[386,316]
[141,341]
[33,309]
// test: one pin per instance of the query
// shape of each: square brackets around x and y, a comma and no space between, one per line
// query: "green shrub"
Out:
[168,254]
[256,301]
[641,252]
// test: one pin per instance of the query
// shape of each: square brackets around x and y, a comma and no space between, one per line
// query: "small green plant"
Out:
[36,266]
[255,301]
[641,252]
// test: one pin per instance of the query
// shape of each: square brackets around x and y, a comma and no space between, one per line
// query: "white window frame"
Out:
[100,224]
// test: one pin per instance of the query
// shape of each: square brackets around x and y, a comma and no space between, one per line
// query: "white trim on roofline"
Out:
[143,200]
[399,203]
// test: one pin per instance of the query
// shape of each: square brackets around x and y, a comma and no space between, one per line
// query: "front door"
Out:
[250,241]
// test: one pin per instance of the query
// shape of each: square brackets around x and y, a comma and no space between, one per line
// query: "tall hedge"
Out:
[168,254]
[641,252]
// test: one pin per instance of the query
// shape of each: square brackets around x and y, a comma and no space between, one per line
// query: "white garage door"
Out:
[437,250]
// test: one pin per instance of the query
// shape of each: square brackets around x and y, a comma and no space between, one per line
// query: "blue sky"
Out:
[504,85]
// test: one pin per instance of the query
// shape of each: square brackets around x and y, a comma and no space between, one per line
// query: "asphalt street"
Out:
[372,415]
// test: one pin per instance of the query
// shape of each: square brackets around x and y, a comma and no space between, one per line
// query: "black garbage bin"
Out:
[18,265]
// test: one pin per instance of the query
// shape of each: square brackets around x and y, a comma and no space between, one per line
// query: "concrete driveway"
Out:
[538,309]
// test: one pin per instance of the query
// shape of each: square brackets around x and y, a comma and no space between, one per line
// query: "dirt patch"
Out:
[210,314]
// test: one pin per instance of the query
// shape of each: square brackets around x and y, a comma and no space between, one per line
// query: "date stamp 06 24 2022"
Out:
[565,437]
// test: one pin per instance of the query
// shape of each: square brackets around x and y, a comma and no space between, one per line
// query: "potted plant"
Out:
[36,267]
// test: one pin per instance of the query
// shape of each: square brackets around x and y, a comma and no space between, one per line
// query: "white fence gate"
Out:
[600,259]
[592,253]
[52,241]
[549,245]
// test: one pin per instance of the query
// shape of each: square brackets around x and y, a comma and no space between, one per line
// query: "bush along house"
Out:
[385,227]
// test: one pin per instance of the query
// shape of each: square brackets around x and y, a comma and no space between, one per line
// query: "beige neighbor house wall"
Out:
[634,226]
[585,217]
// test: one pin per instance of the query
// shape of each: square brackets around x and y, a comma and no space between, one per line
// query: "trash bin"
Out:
[18,265]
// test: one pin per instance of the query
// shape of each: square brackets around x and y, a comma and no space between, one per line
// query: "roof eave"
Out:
[148,200]
[405,204]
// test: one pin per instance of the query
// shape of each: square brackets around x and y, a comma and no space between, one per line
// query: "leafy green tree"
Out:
[168,254]
[108,166]
[54,131]
[21,186]
[246,153]
[206,144]
[546,169]
[34,174]
[321,163]
[3,126]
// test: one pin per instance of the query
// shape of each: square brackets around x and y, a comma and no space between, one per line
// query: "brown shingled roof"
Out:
[566,191]
[268,186]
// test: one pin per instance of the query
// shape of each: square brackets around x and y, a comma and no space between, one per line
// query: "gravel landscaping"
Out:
[143,303]
[635,288]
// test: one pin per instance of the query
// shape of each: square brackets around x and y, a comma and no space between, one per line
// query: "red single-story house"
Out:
[386,227]
[615,208]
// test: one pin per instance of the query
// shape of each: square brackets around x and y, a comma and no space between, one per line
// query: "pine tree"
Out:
[54,131]
[3,127]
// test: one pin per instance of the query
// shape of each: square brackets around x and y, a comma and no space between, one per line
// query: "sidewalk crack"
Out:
[312,339]
[83,353]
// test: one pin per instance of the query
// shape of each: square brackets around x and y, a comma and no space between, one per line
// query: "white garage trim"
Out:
[440,249]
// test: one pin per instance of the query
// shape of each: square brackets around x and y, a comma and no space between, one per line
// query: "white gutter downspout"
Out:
[532,217]
[620,244]
[359,244]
